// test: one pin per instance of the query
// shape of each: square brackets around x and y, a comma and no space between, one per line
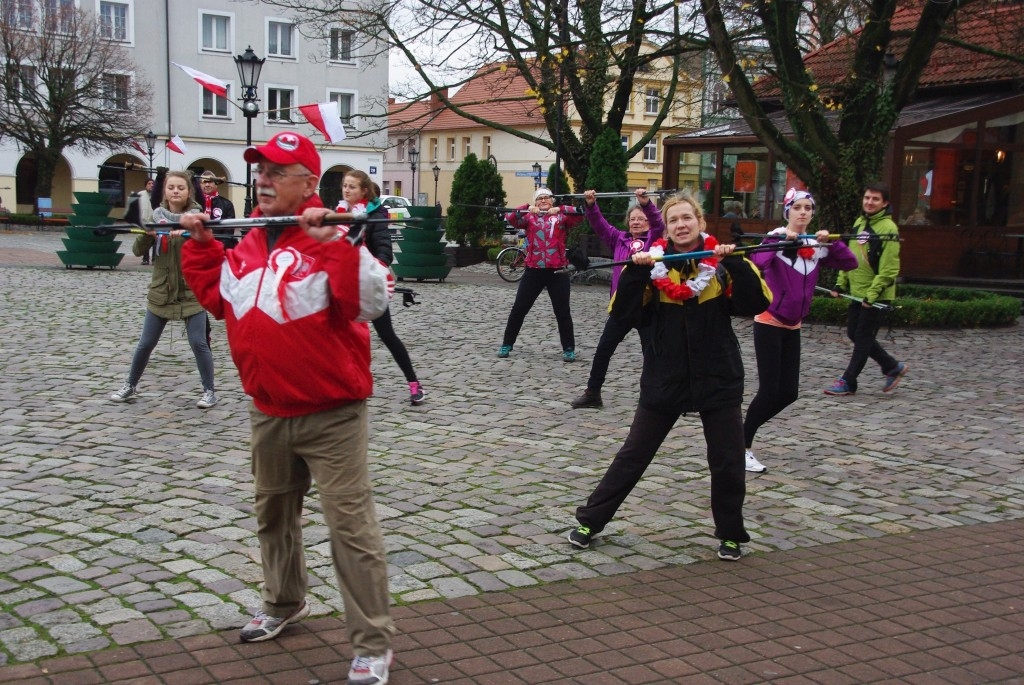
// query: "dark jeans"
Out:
[387,335]
[530,287]
[723,433]
[862,326]
[615,331]
[778,376]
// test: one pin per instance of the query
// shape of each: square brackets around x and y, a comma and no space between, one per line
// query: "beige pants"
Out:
[330,448]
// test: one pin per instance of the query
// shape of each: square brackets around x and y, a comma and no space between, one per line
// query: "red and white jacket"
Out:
[295,315]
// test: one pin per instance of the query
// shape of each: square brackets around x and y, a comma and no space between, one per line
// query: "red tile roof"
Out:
[995,27]
[492,93]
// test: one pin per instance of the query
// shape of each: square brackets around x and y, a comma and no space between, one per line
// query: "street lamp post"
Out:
[151,149]
[249,67]
[437,173]
[536,174]
[414,161]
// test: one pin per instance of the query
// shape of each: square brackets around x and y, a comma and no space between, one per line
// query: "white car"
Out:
[397,206]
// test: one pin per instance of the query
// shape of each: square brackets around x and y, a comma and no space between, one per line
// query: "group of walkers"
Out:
[296,298]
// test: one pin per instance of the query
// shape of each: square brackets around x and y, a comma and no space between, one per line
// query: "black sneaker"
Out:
[729,551]
[590,399]
[580,537]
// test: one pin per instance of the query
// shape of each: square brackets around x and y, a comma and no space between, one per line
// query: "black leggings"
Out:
[722,433]
[778,376]
[530,287]
[386,333]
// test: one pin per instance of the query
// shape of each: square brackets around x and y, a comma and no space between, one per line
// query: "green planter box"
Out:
[422,252]
[91,246]
[89,260]
[413,259]
[421,247]
[421,273]
[86,233]
[421,235]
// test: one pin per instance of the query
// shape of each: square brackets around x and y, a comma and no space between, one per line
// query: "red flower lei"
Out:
[683,291]
[805,252]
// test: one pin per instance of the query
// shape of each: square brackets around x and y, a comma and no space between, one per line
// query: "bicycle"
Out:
[511,261]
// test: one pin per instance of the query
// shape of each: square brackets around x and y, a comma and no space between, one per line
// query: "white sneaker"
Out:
[753,465]
[207,400]
[370,670]
[127,392]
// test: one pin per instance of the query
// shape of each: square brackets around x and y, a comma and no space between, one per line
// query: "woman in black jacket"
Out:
[359,195]
[692,364]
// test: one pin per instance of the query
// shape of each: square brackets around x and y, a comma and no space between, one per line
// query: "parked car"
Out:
[397,206]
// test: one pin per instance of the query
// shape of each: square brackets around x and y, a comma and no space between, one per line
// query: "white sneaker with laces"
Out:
[207,400]
[127,392]
[753,465]
[370,670]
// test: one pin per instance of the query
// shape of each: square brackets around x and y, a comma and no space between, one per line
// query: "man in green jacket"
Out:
[874,282]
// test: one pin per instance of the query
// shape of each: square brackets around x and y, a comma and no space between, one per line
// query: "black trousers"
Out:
[530,287]
[723,433]
[615,331]
[862,324]
[386,333]
[778,376]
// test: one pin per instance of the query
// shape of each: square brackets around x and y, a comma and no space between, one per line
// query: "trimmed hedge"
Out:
[931,307]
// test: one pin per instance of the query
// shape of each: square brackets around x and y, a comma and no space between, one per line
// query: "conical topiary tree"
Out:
[607,174]
[475,186]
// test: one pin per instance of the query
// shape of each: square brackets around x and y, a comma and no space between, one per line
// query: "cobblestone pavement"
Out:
[125,524]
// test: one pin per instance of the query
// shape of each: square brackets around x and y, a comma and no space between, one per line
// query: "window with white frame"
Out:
[114,21]
[466,147]
[451,149]
[215,106]
[346,106]
[25,83]
[433,149]
[487,147]
[652,101]
[59,15]
[215,31]
[651,150]
[279,105]
[625,142]
[115,91]
[341,45]
[280,37]
[18,13]
[401,151]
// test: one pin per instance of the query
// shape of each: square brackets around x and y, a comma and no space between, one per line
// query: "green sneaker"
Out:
[504,351]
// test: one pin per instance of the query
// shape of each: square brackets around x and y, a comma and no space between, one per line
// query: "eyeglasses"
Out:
[207,180]
[277,175]
[544,197]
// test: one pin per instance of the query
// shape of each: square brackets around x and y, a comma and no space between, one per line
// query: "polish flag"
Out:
[326,118]
[135,144]
[210,83]
[177,144]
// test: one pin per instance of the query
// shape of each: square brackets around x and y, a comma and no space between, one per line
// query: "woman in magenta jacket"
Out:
[791,274]
[547,226]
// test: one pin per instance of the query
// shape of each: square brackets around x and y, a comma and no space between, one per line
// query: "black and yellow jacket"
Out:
[692,358]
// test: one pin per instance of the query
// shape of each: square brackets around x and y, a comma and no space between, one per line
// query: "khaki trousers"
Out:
[328,447]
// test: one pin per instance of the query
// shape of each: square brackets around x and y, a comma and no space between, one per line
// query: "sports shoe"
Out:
[590,399]
[263,627]
[416,393]
[580,537]
[753,465]
[127,392]
[504,351]
[892,379]
[729,551]
[840,387]
[145,261]
[370,670]
[207,400]
[569,356]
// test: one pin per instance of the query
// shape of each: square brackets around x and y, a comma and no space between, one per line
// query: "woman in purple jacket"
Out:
[791,274]
[645,225]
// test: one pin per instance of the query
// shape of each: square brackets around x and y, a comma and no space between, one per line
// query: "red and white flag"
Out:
[326,118]
[135,144]
[177,144]
[210,83]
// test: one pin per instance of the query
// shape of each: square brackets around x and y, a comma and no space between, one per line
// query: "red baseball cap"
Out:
[286,148]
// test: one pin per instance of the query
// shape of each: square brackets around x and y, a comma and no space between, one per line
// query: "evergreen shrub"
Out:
[920,306]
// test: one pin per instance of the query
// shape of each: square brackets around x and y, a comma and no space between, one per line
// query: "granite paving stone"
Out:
[132,523]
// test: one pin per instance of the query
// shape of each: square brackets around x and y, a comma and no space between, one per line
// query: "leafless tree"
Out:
[66,84]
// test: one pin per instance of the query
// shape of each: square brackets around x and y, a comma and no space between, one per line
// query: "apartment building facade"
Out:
[207,35]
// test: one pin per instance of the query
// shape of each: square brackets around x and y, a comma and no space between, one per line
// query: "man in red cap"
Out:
[295,300]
